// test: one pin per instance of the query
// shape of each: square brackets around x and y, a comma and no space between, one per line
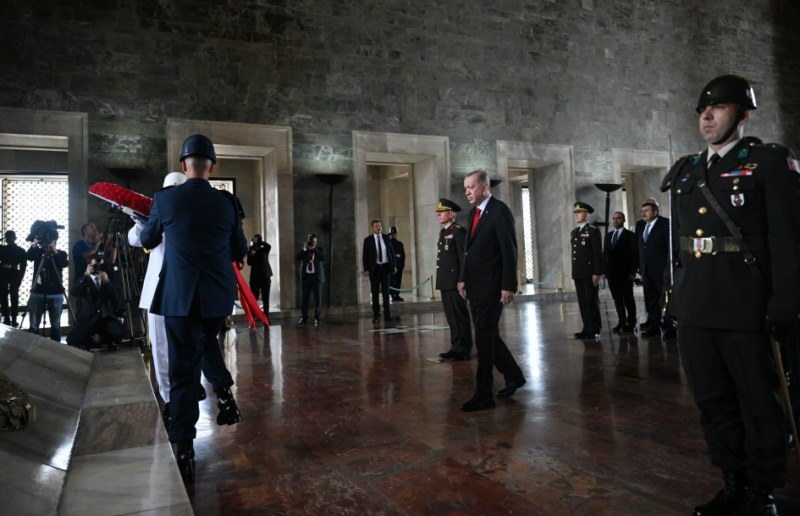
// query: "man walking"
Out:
[488,281]
[196,288]
[620,259]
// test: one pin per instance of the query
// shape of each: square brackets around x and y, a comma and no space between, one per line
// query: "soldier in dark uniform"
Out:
[12,270]
[736,259]
[400,263]
[449,263]
[587,266]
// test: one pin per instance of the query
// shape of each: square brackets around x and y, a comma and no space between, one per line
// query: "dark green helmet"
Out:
[727,89]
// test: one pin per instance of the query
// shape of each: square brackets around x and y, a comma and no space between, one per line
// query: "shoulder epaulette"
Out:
[676,167]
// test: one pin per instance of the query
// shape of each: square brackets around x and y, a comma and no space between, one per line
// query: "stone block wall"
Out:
[595,75]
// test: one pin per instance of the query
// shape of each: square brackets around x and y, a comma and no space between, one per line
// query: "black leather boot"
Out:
[758,502]
[185,457]
[228,410]
[166,415]
[728,499]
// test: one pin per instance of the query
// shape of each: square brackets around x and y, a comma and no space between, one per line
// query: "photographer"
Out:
[260,270]
[92,242]
[312,276]
[98,297]
[48,290]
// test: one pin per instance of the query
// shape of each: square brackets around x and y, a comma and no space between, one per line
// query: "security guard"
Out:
[12,270]
[400,263]
[587,266]
[449,262]
[736,258]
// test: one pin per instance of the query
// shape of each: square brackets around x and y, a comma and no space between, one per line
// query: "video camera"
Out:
[44,231]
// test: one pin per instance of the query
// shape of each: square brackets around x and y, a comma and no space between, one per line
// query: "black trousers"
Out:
[261,287]
[110,329]
[492,351]
[310,284]
[589,304]
[653,284]
[9,289]
[733,379]
[192,343]
[622,293]
[379,280]
[457,315]
[395,281]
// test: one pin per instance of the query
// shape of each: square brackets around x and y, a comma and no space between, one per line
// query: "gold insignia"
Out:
[703,210]
[699,232]
[698,255]
[751,166]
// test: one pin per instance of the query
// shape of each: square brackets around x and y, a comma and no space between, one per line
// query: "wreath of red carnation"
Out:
[121,196]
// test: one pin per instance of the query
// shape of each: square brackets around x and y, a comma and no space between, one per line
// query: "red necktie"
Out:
[475,221]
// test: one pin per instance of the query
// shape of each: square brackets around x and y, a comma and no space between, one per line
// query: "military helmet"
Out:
[198,145]
[727,88]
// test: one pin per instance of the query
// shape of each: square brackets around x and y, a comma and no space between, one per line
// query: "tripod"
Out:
[45,263]
[130,278]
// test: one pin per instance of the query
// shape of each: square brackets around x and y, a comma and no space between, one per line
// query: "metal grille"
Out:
[26,200]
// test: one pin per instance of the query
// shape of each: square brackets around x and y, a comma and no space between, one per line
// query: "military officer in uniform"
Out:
[587,266]
[736,259]
[400,263]
[449,263]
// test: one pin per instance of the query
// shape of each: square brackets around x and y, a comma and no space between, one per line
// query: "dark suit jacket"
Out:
[621,259]
[654,254]
[369,253]
[203,233]
[303,256]
[490,256]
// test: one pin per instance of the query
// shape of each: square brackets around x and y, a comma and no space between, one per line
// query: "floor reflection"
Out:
[344,419]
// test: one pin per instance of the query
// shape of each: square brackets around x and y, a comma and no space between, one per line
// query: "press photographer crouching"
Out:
[96,319]
[48,288]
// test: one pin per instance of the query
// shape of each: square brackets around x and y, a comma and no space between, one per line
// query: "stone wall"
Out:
[593,74]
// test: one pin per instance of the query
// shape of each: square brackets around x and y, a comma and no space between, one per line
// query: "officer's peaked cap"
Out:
[581,207]
[447,205]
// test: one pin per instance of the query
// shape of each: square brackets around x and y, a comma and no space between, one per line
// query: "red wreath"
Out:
[121,196]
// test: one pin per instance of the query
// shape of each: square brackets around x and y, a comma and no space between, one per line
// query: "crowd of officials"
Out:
[721,276]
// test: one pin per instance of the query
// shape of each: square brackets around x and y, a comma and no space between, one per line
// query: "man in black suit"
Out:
[377,260]
[586,269]
[620,257]
[736,274]
[312,277]
[449,263]
[653,241]
[488,281]
[202,227]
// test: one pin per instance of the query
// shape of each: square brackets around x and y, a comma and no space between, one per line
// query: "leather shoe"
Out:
[616,329]
[757,502]
[446,354]
[628,328]
[376,320]
[652,332]
[476,404]
[580,335]
[510,388]
[727,499]
[644,326]
[185,458]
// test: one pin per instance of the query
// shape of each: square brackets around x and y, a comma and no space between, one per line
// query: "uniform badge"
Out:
[737,200]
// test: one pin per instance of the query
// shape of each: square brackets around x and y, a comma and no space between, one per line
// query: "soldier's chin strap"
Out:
[733,128]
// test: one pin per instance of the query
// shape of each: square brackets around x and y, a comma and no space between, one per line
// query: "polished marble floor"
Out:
[343,419]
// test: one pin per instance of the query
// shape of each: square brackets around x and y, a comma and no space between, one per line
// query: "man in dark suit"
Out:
[399,264]
[99,297]
[653,241]
[312,277]
[488,280]
[260,270]
[620,260]
[196,289]
[736,250]
[449,263]
[587,266]
[377,260]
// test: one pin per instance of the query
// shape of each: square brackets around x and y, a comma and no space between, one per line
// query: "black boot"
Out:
[728,499]
[757,502]
[166,415]
[185,457]
[228,411]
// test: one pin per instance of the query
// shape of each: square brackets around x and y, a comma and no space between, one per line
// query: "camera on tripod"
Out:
[45,231]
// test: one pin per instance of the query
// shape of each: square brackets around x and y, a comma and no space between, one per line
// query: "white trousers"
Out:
[160,350]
